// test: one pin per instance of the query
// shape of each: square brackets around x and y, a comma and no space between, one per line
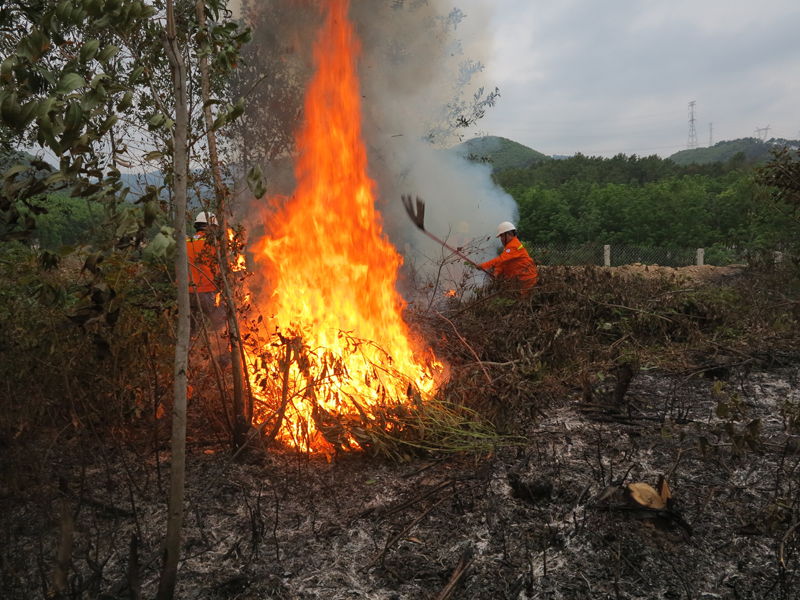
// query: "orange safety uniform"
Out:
[514,262]
[201,257]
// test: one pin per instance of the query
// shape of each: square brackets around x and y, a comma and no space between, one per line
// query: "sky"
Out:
[608,76]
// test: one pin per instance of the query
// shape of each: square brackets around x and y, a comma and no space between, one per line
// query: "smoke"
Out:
[418,69]
[415,62]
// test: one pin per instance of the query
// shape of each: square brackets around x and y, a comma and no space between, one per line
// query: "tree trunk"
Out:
[166,587]
[242,414]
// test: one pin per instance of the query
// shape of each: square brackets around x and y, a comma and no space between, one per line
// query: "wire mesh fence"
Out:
[619,255]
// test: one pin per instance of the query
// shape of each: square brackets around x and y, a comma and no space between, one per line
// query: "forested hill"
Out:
[754,150]
[620,169]
[500,152]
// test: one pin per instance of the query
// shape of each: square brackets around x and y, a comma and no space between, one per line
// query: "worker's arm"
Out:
[495,262]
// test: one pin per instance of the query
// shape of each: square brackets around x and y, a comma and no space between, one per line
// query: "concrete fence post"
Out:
[607,255]
[701,256]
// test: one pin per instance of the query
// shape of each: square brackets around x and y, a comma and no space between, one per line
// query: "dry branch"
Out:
[462,568]
[392,541]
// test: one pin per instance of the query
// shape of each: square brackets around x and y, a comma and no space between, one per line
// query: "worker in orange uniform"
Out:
[202,260]
[514,261]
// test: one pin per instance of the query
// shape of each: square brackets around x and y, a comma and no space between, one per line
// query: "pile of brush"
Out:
[510,354]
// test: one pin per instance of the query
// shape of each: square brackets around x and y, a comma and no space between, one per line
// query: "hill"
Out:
[500,152]
[754,150]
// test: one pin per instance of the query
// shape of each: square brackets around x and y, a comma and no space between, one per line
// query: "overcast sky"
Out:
[607,76]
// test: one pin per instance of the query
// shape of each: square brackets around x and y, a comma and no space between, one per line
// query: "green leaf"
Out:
[260,190]
[97,79]
[153,155]
[10,110]
[236,111]
[254,176]
[54,178]
[64,10]
[46,105]
[90,100]
[88,50]
[219,121]
[47,75]
[6,69]
[103,22]
[108,53]
[135,74]
[126,101]
[150,213]
[157,121]
[74,117]
[108,123]
[70,82]
[162,248]
[14,170]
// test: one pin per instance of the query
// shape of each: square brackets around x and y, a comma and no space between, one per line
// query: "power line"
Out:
[762,133]
[691,144]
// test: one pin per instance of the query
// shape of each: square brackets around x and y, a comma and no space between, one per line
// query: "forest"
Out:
[618,432]
[646,201]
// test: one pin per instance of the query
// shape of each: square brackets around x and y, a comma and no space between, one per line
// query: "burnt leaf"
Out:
[92,261]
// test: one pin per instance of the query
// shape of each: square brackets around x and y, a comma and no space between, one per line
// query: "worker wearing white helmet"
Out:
[203,288]
[514,261]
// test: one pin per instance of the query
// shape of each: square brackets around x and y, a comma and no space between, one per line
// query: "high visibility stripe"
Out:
[519,247]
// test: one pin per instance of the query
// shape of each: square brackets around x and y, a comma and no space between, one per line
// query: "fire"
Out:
[333,273]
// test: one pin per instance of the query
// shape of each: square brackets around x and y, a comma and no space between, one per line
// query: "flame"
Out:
[451,294]
[333,271]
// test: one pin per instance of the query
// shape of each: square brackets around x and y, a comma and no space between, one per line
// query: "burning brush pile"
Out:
[332,363]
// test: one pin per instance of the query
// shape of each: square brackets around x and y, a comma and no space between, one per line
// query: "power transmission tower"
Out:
[692,143]
[710,135]
[762,133]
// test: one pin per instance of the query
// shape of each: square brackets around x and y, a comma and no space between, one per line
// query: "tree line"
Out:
[648,201]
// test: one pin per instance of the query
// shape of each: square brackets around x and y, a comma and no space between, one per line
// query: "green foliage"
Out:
[655,202]
[501,153]
[741,152]
[76,350]
[68,222]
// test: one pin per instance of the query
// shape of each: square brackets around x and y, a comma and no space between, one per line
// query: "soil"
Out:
[540,519]
[705,274]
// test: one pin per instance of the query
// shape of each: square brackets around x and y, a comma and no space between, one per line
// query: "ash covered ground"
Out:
[526,521]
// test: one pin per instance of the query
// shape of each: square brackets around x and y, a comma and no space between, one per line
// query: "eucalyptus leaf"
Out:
[126,102]
[108,53]
[88,50]
[70,82]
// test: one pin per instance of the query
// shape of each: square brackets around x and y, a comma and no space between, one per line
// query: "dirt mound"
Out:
[705,274]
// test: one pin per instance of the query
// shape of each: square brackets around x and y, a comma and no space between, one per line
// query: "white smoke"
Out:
[409,68]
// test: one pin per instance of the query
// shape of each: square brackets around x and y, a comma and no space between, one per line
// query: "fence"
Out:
[618,255]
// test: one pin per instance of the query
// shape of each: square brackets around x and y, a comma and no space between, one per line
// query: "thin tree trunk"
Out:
[242,415]
[166,587]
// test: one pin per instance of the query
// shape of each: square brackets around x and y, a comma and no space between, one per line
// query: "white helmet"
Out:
[205,217]
[505,227]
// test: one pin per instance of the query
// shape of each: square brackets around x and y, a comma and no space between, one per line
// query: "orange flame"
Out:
[332,267]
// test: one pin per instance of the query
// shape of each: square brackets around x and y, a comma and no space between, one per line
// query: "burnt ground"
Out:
[289,526]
